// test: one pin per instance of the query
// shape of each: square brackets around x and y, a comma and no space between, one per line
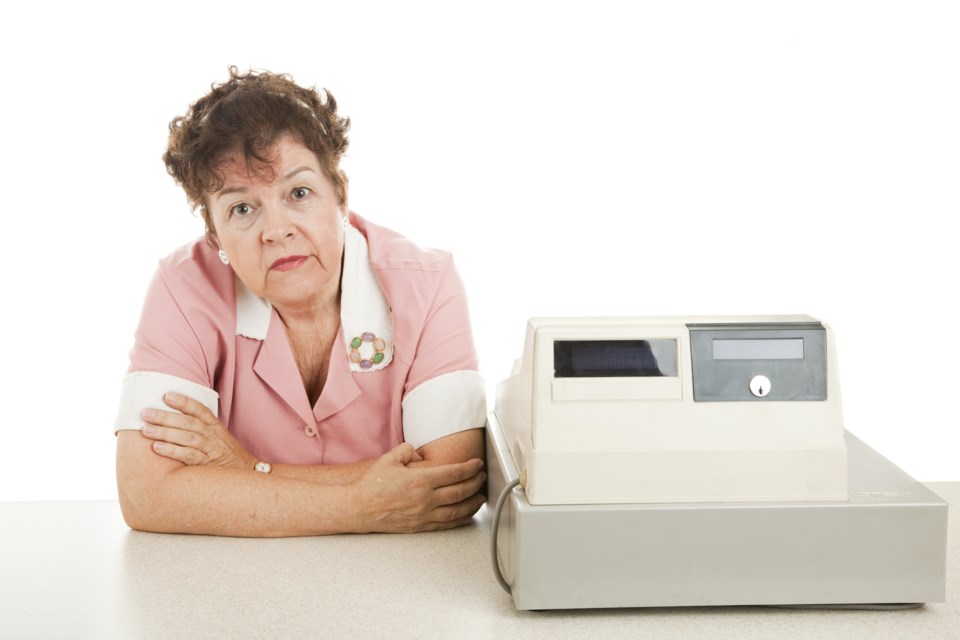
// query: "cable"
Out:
[493,537]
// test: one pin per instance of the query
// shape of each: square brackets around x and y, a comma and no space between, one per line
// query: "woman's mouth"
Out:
[288,263]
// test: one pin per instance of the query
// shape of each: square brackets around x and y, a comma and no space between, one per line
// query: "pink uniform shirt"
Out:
[201,326]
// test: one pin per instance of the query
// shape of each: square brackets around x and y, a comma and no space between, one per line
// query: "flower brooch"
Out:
[366,350]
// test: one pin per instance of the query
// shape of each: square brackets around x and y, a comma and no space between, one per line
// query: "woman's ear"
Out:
[210,234]
[211,239]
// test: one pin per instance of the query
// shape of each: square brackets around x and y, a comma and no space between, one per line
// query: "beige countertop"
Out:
[74,570]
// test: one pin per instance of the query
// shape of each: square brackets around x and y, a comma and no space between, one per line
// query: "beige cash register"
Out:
[697,461]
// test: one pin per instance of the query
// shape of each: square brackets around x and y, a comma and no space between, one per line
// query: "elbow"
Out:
[140,480]
[146,505]
[135,506]
[145,510]
[132,511]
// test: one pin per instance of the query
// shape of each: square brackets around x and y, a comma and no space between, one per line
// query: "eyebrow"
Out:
[290,174]
[296,171]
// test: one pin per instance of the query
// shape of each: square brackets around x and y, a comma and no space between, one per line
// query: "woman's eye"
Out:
[240,210]
[300,193]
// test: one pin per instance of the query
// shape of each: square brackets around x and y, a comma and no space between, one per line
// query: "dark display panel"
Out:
[614,358]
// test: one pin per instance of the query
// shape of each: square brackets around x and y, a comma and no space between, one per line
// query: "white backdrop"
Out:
[578,158]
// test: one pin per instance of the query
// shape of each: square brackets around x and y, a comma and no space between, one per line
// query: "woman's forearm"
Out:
[194,436]
[457,447]
[163,495]
[158,494]
[330,474]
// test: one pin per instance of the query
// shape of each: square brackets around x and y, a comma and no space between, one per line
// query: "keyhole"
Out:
[760,386]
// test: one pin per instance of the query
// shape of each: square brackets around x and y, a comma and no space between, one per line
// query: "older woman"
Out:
[299,370]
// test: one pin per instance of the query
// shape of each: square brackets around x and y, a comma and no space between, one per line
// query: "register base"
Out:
[886,545]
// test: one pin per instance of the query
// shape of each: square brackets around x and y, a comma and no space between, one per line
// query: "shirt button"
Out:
[309,430]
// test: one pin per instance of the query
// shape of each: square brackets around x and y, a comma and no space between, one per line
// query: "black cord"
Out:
[493,534]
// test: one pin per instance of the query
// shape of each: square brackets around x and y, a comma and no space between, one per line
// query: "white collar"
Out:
[364,312]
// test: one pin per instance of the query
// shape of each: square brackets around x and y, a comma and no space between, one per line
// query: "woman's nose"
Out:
[277,224]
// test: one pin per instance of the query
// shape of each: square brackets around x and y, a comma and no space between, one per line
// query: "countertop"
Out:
[74,570]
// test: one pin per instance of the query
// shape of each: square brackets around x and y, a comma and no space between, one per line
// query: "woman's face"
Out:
[282,232]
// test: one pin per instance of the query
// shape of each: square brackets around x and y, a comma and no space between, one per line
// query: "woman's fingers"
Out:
[450,474]
[190,407]
[176,436]
[457,503]
[394,497]
[460,491]
[454,515]
[402,453]
[190,417]
[172,419]
[186,455]
[176,443]
[193,435]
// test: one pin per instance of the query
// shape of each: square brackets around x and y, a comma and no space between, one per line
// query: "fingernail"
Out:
[171,397]
[149,429]
[149,413]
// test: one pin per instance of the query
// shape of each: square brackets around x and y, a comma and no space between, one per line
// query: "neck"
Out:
[314,314]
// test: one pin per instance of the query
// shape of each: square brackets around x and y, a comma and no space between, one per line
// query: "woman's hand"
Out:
[194,436]
[392,497]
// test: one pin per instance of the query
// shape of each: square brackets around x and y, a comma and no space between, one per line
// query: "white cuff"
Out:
[145,389]
[443,406]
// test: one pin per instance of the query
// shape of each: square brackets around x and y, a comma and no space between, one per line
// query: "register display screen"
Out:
[764,349]
[614,358]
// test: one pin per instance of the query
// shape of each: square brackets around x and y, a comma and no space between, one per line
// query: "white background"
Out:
[578,158]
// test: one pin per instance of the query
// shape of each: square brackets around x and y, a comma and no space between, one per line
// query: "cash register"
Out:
[697,461]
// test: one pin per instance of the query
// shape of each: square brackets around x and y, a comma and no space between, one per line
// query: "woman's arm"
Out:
[164,495]
[194,436]
[457,447]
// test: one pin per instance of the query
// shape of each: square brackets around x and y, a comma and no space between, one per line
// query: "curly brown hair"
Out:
[247,115]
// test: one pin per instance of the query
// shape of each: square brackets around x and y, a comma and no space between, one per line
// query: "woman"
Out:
[300,370]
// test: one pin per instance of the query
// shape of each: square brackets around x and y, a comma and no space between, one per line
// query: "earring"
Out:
[223,256]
